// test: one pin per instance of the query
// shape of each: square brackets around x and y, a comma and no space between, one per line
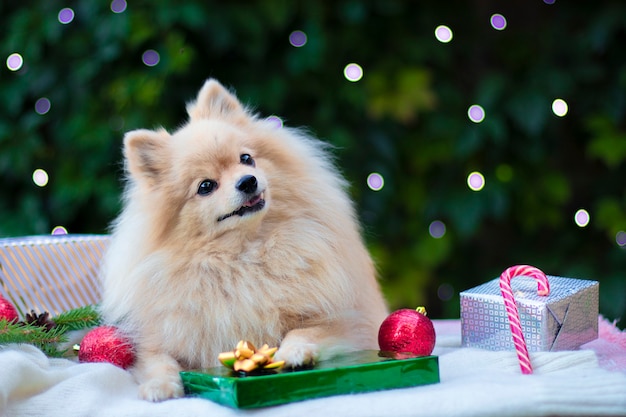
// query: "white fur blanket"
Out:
[587,382]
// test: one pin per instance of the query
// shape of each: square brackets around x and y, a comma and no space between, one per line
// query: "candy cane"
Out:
[543,288]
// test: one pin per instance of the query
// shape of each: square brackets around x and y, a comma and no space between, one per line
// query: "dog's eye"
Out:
[206,187]
[246,159]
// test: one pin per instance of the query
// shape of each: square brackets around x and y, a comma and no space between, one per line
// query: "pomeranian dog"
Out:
[234,228]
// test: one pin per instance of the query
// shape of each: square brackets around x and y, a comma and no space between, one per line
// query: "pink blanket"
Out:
[610,347]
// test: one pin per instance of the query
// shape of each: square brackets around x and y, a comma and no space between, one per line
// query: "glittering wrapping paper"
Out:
[357,372]
[563,320]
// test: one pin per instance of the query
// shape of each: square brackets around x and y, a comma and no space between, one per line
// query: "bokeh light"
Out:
[42,106]
[117,123]
[437,229]
[581,218]
[620,238]
[549,1]
[476,181]
[150,57]
[40,177]
[276,121]
[353,72]
[297,38]
[476,113]
[66,15]
[375,181]
[504,172]
[498,22]
[15,61]
[443,33]
[445,292]
[59,230]
[559,107]
[118,6]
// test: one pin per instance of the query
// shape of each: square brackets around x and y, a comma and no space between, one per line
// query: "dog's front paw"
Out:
[158,376]
[159,389]
[297,354]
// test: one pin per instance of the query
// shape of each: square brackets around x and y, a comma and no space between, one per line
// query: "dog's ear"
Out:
[214,101]
[146,154]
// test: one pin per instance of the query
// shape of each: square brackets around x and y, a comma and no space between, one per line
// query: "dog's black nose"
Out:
[247,184]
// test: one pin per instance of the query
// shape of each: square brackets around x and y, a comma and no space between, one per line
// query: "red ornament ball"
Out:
[8,311]
[106,344]
[407,333]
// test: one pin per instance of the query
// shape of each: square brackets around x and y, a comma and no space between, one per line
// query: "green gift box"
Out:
[357,372]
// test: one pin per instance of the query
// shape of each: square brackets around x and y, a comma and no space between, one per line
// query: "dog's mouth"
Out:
[255,204]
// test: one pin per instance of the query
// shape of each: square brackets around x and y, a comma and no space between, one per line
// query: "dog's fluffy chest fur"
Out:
[258,293]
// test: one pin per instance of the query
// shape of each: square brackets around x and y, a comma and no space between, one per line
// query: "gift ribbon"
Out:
[246,358]
[543,289]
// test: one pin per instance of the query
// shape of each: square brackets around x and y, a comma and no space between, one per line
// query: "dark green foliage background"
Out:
[407,119]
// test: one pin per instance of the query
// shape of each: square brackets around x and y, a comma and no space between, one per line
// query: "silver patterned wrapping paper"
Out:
[564,320]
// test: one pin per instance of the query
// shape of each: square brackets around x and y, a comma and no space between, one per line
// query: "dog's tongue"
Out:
[252,201]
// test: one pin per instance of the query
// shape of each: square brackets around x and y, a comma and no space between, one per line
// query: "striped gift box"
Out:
[53,273]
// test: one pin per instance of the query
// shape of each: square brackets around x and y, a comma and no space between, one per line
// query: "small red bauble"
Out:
[8,311]
[407,333]
[106,344]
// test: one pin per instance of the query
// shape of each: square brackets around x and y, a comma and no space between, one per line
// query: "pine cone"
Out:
[41,320]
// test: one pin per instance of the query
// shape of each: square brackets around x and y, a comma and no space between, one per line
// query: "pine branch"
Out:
[28,333]
[49,339]
[78,318]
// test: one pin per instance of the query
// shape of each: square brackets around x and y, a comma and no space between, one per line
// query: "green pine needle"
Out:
[78,318]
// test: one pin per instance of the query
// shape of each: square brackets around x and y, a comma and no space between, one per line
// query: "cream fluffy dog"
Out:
[232,229]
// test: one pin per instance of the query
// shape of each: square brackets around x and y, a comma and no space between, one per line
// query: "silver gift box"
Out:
[563,320]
